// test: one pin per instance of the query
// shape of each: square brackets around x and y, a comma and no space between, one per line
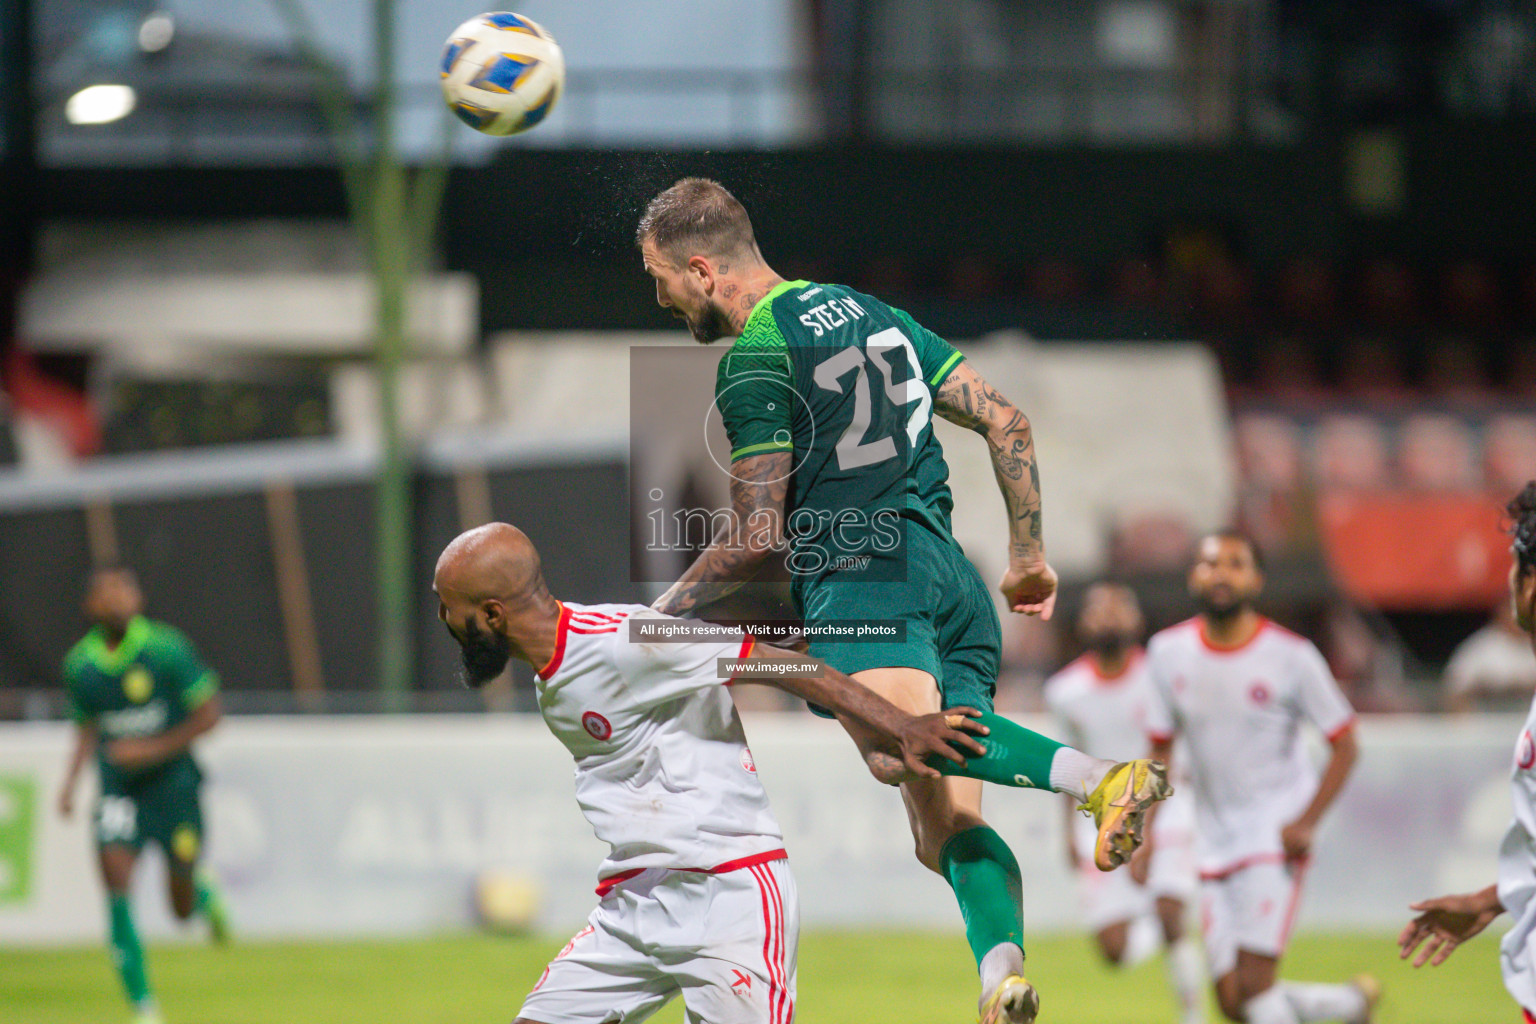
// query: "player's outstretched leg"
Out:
[953,840]
[211,905]
[123,934]
[1117,795]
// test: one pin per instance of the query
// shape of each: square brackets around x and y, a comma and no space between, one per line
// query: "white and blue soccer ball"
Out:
[502,73]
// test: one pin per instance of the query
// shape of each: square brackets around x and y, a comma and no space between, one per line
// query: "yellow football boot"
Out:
[1015,1001]
[1119,803]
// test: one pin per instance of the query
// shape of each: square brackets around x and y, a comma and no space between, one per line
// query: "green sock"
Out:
[985,876]
[207,893]
[1015,756]
[127,952]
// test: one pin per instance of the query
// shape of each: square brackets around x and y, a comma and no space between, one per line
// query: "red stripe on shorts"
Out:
[781,1006]
[762,892]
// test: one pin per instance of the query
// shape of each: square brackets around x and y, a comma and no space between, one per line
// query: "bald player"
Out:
[696,896]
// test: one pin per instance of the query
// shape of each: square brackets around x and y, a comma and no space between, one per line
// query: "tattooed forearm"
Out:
[967,400]
[759,488]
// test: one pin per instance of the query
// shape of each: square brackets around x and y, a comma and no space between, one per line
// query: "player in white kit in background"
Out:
[696,896]
[1447,922]
[1236,688]
[1100,702]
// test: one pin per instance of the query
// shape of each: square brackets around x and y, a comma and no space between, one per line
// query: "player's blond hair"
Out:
[697,217]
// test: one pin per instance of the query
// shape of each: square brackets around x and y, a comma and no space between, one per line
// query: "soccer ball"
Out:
[502,73]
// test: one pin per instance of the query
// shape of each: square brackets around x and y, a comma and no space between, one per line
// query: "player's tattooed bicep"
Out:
[967,400]
[760,484]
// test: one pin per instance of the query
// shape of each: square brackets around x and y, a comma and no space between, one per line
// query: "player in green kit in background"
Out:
[140,696]
[827,397]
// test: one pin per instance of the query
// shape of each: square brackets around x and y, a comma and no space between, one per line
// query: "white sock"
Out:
[1142,940]
[1001,960]
[1186,973]
[1324,1002]
[1270,1007]
[1074,772]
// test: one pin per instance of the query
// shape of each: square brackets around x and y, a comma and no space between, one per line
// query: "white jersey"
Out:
[1239,712]
[1517,874]
[1106,716]
[663,773]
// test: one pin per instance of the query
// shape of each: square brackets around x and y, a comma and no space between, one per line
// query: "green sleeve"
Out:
[754,391]
[936,356]
[184,669]
[75,699]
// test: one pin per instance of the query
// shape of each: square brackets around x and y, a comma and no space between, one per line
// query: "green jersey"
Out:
[848,385]
[148,684]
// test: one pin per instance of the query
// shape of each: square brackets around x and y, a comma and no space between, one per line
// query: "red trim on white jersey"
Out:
[1132,660]
[599,616]
[561,625]
[1227,871]
[606,885]
[1340,729]
[1205,640]
[747,643]
[1297,875]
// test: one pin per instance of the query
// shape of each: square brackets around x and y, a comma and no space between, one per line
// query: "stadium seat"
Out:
[1509,451]
[1349,452]
[1389,293]
[1469,293]
[1436,452]
[1454,370]
[1370,370]
[1268,451]
[1307,293]
[1287,370]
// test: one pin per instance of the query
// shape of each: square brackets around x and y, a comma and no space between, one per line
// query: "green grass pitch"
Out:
[845,978]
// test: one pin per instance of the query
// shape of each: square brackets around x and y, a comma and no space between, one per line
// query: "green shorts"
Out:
[161,808]
[952,630]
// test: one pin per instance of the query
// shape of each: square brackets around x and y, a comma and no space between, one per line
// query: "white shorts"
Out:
[1250,908]
[1109,897]
[726,942]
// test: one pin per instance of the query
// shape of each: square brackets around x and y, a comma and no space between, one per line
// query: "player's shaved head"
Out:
[491,591]
[494,562]
[697,217]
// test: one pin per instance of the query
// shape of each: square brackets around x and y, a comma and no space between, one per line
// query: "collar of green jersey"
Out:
[766,302]
[115,659]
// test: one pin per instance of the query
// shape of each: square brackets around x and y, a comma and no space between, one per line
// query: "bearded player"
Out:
[1100,701]
[140,697]
[827,397]
[1236,689]
[696,895]
[1446,922]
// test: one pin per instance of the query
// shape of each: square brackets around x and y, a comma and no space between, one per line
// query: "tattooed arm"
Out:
[759,487]
[969,401]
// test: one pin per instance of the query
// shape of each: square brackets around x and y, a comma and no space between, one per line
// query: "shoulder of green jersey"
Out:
[761,349]
[77,657]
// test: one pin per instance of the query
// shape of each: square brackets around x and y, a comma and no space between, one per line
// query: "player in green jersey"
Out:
[827,397]
[140,696]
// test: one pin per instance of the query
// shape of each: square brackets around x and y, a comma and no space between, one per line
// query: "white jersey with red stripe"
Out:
[1106,716]
[663,772]
[1517,873]
[1239,712]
